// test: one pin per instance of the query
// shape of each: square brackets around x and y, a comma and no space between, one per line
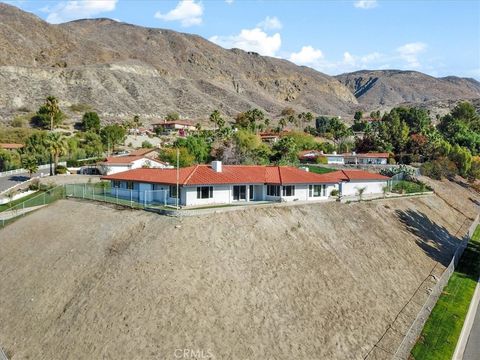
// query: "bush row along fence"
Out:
[46,197]
[410,338]
[139,199]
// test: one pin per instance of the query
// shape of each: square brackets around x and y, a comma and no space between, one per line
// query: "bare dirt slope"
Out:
[85,281]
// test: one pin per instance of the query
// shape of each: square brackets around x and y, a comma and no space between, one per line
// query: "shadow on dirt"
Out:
[435,240]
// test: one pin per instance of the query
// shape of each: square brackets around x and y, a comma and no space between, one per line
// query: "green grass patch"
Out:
[7,206]
[409,187]
[319,169]
[442,329]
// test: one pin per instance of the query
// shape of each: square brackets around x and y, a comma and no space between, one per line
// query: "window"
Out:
[288,190]
[204,192]
[317,190]
[273,190]
[130,185]
[173,191]
[116,183]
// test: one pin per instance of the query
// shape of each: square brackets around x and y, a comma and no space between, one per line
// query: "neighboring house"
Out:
[227,184]
[116,164]
[272,137]
[151,153]
[346,158]
[11,147]
[140,131]
[175,126]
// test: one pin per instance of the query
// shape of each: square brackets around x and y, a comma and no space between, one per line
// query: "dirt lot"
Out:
[322,281]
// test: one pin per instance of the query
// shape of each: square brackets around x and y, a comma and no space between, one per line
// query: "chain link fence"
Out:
[139,199]
[13,210]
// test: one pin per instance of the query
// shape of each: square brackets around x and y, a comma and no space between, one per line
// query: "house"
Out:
[11,147]
[175,126]
[141,131]
[229,184]
[345,158]
[116,164]
[272,137]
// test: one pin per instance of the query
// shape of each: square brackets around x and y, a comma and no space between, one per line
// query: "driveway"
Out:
[8,181]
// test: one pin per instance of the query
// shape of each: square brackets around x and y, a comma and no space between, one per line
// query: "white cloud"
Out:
[365,4]
[409,52]
[270,23]
[188,12]
[78,9]
[229,2]
[306,56]
[251,40]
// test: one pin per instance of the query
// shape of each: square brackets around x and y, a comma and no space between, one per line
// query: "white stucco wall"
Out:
[137,164]
[335,160]
[371,187]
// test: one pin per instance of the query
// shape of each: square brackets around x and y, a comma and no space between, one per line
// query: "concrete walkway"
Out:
[472,350]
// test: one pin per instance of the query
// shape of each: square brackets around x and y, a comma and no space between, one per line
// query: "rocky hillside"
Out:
[386,88]
[123,69]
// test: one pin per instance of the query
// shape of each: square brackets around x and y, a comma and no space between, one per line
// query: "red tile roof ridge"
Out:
[190,175]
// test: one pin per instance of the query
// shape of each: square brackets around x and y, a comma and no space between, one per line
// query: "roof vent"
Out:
[354,153]
[217,166]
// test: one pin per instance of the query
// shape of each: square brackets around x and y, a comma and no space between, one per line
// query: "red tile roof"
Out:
[142,151]
[11,146]
[240,174]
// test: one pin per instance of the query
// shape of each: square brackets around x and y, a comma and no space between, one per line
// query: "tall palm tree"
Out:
[217,119]
[30,164]
[137,123]
[57,146]
[51,104]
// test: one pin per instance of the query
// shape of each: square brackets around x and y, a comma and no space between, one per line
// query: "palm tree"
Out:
[137,124]
[217,119]
[282,123]
[360,192]
[30,164]
[51,104]
[57,146]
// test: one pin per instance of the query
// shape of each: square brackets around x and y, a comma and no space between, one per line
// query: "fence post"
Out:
[116,195]
[131,202]
[23,208]
[44,198]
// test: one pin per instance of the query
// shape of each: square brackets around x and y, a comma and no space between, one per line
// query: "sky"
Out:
[439,38]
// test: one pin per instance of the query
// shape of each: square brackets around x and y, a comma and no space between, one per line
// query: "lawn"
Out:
[319,169]
[440,334]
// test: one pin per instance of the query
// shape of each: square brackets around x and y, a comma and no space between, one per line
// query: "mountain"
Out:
[122,69]
[386,88]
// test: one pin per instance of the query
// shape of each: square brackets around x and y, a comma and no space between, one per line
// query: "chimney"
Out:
[354,153]
[321,152]
[334,153]
[216,166]
[305,168]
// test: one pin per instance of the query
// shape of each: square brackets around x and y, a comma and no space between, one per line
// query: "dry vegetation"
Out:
[323,281]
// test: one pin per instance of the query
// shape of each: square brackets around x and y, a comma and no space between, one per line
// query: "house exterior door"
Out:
[239,192]
[250,193]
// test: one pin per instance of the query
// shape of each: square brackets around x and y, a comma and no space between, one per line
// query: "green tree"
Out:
[358,115]
[147,145]
[91,122]
[112,135]
[462,158]
[196,145]
[49,115]
[170,155]
[172,116]
[286,151]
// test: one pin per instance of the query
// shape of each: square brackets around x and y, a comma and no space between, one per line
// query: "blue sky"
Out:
[436,37]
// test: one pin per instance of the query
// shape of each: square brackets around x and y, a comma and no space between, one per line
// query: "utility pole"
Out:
[50,152]
[178,176]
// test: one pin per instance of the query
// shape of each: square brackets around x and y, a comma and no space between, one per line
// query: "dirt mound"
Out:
[321,281]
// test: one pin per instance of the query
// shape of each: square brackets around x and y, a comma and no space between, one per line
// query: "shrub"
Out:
[61,169]
[34,185]
[440,168]
[321,160]
[147,145]
[334,192]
